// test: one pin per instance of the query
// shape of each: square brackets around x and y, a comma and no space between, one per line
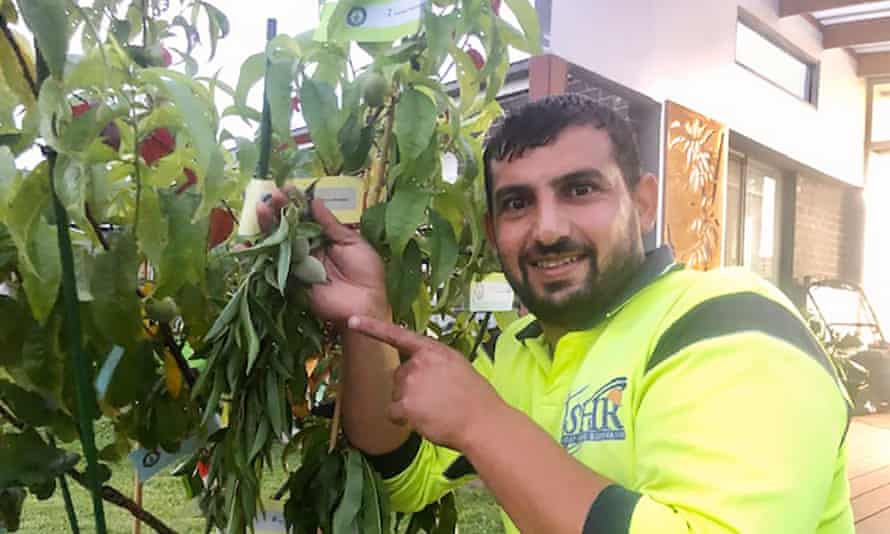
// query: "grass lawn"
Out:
[164,496]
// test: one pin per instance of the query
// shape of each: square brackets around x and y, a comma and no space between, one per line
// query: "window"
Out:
[771,58]
[753,217]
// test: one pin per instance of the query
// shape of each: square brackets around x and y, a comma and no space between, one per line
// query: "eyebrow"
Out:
[558,181]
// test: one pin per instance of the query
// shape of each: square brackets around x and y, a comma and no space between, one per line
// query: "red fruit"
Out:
[111,136]
[166,57]
[295,103]
[221,226]
[190,180]
[157,145]
[79,109]
[477,58]
[496,6]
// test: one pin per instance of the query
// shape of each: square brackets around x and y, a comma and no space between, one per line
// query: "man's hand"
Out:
[436,390]
[356,281]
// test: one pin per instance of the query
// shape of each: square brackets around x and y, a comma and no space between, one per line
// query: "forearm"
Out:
[367,378]
[540,486]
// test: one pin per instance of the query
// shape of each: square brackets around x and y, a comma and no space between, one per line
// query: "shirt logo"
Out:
[593,416]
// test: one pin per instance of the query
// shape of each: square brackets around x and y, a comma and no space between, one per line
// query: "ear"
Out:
[645,197]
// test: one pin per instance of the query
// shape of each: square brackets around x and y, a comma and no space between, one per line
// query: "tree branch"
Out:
[107,492]
[117,498]
[19,56]
[176,351]
[96,229]
[12,419]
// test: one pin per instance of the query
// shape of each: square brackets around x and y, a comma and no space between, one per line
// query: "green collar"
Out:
[658,262]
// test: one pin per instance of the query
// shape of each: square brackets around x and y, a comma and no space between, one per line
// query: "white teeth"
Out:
[556,263]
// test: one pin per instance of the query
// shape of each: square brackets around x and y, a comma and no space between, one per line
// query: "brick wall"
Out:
[828,230]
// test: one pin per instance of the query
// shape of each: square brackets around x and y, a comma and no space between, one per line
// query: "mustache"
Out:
[562,246]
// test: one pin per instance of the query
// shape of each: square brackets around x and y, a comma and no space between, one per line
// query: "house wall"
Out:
[684,50]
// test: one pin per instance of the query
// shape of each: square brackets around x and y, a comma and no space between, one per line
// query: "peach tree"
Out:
[128,299]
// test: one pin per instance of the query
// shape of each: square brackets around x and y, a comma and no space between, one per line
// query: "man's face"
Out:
[566,227]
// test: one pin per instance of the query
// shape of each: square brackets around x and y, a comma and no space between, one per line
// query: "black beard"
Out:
[583,307]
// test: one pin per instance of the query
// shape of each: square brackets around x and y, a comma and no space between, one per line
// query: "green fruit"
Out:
[374,90]
[162,311]
[310,271]
[299,250]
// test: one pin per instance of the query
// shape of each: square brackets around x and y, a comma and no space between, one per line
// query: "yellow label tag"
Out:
[493,293]
[343,195]
[247,222]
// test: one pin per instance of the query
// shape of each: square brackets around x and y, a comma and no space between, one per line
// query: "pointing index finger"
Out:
[404,340]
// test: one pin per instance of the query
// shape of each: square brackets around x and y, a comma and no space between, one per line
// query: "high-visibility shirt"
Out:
[702,395]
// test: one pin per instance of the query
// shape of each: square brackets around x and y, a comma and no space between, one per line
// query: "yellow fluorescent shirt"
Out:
[702,396]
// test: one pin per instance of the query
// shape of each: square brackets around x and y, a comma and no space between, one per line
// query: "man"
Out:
[636,397]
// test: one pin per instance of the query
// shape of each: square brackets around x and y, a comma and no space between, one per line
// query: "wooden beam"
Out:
[547,75]
[856,33]
[876,64]
[798,7]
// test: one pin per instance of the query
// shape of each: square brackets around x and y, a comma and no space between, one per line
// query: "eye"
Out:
[513,204]
[580,190]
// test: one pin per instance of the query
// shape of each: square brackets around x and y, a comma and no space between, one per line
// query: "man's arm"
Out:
[727,440]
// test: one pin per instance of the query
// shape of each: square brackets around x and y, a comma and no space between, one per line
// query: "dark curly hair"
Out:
[540,122]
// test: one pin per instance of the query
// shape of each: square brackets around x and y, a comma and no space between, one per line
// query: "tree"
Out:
[119,260]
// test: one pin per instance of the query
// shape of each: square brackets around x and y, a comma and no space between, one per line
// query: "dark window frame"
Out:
[811,85]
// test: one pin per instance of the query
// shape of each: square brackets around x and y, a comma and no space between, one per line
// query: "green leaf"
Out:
[443,250]
[114,287]
[274,406]
[219,26]
[467,76]
[439,30]
[284,253]
[43,359]
[14,328]
[319,109]
[372,513]
[404,213]
[528,18]
[43,280]
[28,460]
[11,500]
[373,225]
[447,515]
[192,100]
[355,142]
[278,91]
[12,71]
[415,122]
[347,511]
[152,232]
[260,439]
[31,407]
[253,342]
[185,256]
[403,279]
[134,376]
[8,173]
[248,154]
[251,72]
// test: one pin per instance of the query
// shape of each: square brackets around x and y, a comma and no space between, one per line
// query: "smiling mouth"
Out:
[551,263]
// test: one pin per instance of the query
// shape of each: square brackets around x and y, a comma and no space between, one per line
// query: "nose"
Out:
[552,223]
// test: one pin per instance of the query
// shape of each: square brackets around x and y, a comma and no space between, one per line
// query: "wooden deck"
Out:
[868,468]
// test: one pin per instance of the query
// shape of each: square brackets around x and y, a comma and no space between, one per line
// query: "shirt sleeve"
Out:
[739,428]
[419,472]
